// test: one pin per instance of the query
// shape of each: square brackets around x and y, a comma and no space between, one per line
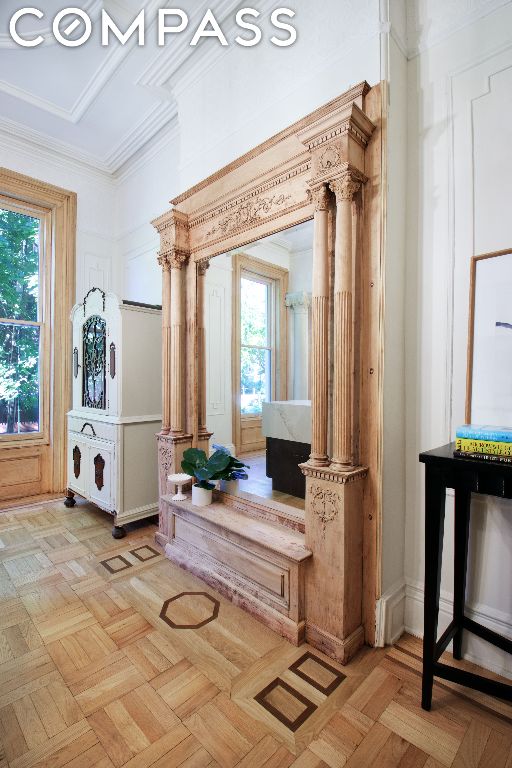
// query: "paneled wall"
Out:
[459,188]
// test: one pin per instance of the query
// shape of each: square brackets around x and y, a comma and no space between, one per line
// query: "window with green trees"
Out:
[255,344]
[20,321]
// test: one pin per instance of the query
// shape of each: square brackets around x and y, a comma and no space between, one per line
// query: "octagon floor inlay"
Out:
[189,610]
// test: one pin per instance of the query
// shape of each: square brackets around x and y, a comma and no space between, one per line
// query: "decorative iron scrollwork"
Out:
[99,466]
[112,360]
[75,362]
[92,290]
[94,354]
[77,457]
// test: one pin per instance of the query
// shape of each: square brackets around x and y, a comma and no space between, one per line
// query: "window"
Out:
[255,344]
[22,320]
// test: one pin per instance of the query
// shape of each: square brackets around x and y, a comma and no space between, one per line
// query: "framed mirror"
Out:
[489,371]
[257,308]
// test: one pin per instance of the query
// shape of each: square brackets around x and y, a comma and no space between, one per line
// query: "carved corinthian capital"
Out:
[177,258]
[163,261]
[348,185]
[202,266]
[321,198]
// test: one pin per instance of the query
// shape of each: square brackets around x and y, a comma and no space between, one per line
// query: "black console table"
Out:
[465,476]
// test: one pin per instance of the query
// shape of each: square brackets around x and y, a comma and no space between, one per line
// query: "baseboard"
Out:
[473,649]
[390,615]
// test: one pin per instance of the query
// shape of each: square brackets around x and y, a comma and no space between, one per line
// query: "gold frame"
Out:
[471,325]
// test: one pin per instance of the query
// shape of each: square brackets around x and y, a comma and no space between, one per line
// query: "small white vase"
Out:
[230,486]
[201,497]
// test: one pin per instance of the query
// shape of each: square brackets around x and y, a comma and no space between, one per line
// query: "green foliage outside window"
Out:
[19,344]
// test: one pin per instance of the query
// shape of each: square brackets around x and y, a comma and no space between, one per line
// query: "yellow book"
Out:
[491,447]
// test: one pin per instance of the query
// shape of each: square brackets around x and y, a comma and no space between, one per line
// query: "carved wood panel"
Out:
[99,466]
[77,457]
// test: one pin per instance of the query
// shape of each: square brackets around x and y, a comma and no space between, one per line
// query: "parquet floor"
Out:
[112,657]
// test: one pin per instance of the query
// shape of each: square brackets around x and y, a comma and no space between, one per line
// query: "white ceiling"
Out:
[96,104]
[102,105]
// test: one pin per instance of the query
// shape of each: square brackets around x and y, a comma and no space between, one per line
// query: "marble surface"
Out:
[287,420]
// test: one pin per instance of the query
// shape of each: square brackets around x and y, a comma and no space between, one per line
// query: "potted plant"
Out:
[234,471]
[204,469]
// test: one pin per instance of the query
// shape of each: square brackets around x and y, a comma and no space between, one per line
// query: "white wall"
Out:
[96,263]
[459,187]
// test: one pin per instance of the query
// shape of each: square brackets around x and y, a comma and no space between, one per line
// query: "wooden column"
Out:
[343,385]
[166,343]
[177,352]
[201,347]
[320,332]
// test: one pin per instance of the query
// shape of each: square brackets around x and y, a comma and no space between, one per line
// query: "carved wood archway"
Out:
[326,167]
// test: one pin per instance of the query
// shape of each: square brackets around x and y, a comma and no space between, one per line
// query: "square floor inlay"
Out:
[144,553]
[317,673]
[116,564]
[286,704]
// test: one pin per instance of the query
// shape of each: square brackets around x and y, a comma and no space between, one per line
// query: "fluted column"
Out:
[177,353]
[166,343]
[343,383]
[320,332]
[201,346]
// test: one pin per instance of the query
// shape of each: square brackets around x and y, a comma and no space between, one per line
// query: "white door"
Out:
[78,460]
[100,474]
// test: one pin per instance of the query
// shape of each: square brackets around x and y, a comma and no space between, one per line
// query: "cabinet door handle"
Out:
[87,424]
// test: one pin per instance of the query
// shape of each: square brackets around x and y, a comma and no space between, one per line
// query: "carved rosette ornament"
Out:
[325,504]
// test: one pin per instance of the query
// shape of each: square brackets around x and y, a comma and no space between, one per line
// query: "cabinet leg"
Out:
[69,501]
[118,532]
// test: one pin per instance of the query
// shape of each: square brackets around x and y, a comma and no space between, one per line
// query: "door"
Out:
[100,473]
[77,463]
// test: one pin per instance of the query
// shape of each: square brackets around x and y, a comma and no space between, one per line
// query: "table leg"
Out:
[435,495]
[462,516]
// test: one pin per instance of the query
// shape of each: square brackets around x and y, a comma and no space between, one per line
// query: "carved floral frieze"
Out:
[247,213]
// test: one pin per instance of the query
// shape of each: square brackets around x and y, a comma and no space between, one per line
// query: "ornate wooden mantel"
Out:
[326,167]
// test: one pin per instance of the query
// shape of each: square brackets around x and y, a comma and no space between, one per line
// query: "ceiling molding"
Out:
[134,140]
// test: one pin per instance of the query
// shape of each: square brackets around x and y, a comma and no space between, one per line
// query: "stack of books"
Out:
[489,443]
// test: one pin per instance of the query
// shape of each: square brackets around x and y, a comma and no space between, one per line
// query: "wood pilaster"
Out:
[201,349]
[320,331]
[166,343]
[344,188]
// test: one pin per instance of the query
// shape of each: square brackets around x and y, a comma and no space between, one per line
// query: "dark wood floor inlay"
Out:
[139,553]
[325,688]
[111,564]
[210,607]
[293,725]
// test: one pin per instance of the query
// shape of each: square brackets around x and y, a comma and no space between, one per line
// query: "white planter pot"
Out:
[230,486]
[201,497]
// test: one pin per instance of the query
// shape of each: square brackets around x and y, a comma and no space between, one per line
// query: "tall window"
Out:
[256,343]
[22,315]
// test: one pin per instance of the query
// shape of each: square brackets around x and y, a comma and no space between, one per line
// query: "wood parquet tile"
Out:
[92,676]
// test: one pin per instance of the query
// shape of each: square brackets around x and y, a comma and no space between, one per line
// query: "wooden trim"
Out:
[471,325]
[278,276]
[59,207]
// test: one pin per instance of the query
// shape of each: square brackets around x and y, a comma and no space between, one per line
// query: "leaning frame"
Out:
[327,167]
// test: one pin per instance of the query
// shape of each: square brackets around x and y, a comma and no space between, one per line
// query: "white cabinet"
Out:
[112,451]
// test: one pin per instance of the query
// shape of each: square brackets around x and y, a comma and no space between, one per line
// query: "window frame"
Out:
[278,276]
[272,325]
[44,313]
